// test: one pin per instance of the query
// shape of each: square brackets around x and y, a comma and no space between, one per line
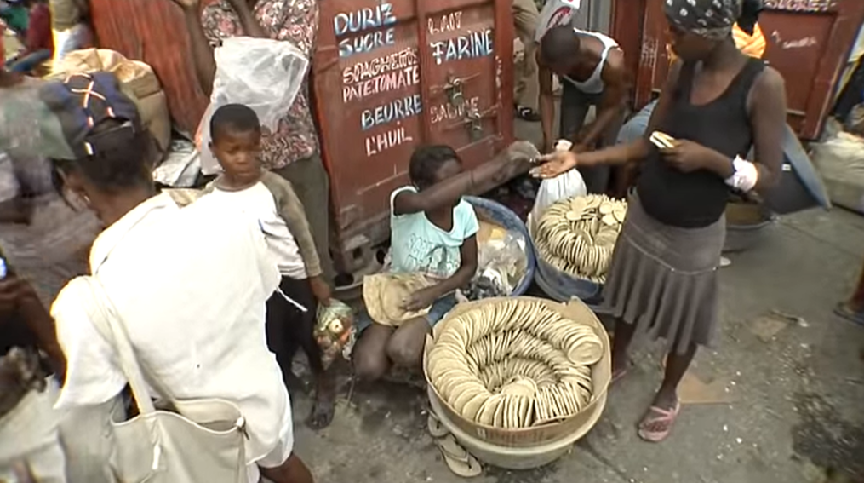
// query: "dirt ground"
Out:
[787,378]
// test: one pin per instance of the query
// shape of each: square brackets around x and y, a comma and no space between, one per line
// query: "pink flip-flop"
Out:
[656,416]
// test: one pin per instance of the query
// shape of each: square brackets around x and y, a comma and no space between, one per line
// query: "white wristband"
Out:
[745,176]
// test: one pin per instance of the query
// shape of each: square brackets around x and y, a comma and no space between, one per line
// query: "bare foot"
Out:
[324,407]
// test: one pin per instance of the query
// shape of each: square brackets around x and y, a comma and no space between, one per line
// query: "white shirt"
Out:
[258,203]
[556,13]
[191,286]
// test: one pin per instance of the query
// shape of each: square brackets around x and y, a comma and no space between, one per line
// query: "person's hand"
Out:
[556,163]
[688,156]
[187,4]
[321,290]
[420,300]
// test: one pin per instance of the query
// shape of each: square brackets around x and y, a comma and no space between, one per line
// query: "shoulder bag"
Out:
[201,440]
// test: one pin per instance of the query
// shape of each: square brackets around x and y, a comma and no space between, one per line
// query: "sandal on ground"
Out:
[436,429]
[658,417]
[527,114]
[843,310]
[460,462]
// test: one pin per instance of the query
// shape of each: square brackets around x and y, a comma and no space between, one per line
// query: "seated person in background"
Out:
[592,72]
[39,41]
[433,231]
[271,200]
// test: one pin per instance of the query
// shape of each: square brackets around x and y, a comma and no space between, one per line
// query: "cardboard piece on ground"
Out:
[766,327]
[693,390]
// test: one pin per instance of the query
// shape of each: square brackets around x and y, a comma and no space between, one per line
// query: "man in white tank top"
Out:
[593,73]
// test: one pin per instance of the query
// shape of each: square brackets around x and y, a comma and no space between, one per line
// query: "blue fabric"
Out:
[439,309]
[29,62]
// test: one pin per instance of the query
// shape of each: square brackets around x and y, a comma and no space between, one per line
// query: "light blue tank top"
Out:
[595,84]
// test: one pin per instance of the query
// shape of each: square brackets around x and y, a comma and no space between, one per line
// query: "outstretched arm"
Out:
[515,160]
[621,154]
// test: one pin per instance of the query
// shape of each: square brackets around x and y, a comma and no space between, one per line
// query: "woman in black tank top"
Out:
[716,104]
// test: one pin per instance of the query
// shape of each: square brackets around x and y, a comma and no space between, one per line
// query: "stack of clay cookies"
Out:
[577,235]
[514,363]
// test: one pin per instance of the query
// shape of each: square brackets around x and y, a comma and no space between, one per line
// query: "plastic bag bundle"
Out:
[264,74]
[333,331]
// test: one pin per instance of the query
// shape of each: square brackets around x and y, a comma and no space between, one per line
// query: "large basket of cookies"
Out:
[519,371]
[573,240]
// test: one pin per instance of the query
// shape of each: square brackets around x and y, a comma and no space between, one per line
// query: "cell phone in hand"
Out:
[4,268]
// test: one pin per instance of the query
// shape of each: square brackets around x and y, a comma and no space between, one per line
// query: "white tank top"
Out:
[595,84]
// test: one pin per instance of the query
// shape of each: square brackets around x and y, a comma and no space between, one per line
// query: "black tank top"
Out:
[698,198]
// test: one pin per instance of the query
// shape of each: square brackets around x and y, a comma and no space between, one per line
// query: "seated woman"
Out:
[433,231]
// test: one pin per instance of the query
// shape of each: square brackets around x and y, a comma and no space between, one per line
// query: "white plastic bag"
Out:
[263,74]
[566,185]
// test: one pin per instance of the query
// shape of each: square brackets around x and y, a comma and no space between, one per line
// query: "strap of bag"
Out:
[106,319]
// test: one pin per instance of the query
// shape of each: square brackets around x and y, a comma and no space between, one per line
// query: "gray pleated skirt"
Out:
[663,279]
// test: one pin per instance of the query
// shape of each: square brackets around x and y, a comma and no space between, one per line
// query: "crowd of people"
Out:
[222,315]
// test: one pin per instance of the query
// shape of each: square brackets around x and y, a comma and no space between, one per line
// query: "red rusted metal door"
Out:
[808,42]
[154,32]
[391,76]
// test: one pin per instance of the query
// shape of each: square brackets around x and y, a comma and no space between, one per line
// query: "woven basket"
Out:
[567,285]
[576,426]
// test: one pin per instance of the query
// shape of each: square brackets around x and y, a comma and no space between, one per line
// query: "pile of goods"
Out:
[577,235]
[502,261]
[514,363]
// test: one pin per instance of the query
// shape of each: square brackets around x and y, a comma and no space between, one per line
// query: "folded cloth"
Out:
[386,293]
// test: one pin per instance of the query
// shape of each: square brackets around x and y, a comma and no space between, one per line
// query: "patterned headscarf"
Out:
[712,19]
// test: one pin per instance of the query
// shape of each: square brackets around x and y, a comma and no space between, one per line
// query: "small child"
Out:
[291,312]
[433,231]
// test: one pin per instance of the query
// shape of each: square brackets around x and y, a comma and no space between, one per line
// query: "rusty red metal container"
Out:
[386,78]
[391,76]
[808,42]
[153,31]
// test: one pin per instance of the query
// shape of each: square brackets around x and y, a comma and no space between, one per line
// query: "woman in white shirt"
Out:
[190,286]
